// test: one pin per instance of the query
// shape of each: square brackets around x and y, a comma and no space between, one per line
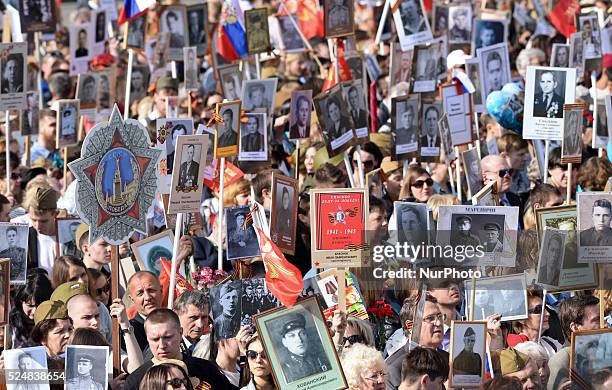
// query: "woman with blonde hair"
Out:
[438,200]
[168,374]
[364,368]
[237,193]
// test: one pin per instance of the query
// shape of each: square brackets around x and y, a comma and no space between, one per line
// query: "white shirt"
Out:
[46,252]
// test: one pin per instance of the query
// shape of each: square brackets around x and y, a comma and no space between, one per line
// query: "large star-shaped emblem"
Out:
[115,208]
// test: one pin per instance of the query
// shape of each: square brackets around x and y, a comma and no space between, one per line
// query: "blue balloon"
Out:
[507,109]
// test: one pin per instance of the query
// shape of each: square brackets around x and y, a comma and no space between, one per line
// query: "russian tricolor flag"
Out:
[133,8]
[231,37]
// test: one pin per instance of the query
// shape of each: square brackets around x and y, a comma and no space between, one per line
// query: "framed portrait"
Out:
[405,114]
[300,114]
[14,246]
[26,360]
[231,81]
[487,196]
[546,91]
[284,212]
[226,133]
[87,91]
[173,19]
[99,18]
[37,15]
[86,364]
[190,68]
[489,33]
[356,97]
[187,182]
[259,94]
[479,235]
[336,123]
[560,56]
[374,183]
[339,18]
[445,137]
[5,292]
[13,65]
[150,250]
[412,223]
[168,131]
[459,117]
[242,240]
[550,258]
[28,123]
[602,131]
[81,42]
[571,147]
[68,117]
[411,23]
[300,330]
[290,38]
[106,89]
[606,40]
[494,67]
[472,169]
[590,354]
[440,18]
[576,53]
[468,353]
[66,243]
[356,65]
[156,49]
[430,138]
[505,295]
[139,82]
[419,308]
[595,238]
[459,23]
[197,17]
[136,36]
[426,66]
[253,139]
[472,68]
[608,104]
[257,30]
[338,226]
[588,25]
[401,64]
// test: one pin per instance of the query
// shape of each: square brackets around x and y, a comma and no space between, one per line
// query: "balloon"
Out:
[507,109]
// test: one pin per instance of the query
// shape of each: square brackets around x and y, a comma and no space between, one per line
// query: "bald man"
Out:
[84,312]
[146,292]
[496,168]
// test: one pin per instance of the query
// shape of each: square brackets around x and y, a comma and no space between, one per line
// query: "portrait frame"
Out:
[87,103]
[551,282]
[608,104]
[5,286]
[39,357]
[439,11]
[135,36]
[472,69]
[234,250]
[28,124]
[374,180]
[487,196]
[470,160]
[458,36]
[260,154]
[401,64]
[97,353]
[459,117]
[278,229]
[424,72]
[296,98]
[268,95]
[146,76]
[334,28]
[233,73]
[596,50]
[408,145]
[190,69]
[336,140]
[445,138]
[598,251]
[430,153]
[418,235]
[361,125]
[101,99]
[580,338]
[203,28]
[499,27]
[576,56]
[223,149]
[315,326]
[142,249]
[36,23]
[250,16]
[14,98]
[602,132]
[186,192]
[555,52]
[480,332]
[165,130]
[411,35]
[71,138]
[18,272]
[290,38]
[59,240]
[175,49]
[516,284]
[357,66]
[488,55]
[571,145]
[79,60]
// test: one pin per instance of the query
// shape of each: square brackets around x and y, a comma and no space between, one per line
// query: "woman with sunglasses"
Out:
[168,374]
[357,331]
[258,375]
[101,285]
[528,330]
[418,185]
[364,368]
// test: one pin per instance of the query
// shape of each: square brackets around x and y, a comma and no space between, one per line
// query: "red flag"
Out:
[282,278]
[562,16]
[310,18]
[344,72]
[181,284]
[373,108]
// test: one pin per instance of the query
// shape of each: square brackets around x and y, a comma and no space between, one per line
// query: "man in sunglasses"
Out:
[496,168]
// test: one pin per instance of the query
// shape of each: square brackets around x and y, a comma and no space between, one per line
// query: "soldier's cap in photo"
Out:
[462,218]
[67,290]
[85,357]
[469,332]
[50,310]
[492,226]
[293,321]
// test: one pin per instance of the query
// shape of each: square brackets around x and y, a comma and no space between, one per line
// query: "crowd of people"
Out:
[65,300]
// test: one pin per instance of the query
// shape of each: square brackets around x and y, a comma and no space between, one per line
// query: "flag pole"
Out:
[546,156]
[128,78]
[458,174]
[65,168]
[544,292]
[8,150]
[220,215]
[297,158]
[178,231]
[297,28]
[383,20]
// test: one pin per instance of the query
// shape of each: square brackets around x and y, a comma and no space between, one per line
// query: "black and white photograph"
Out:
[86,367]
[139,82]
[571,148]
[253,137]
[231,81]
[81,42]
[550,261]
[608,104]
[576,53]
[284,209]
[24,360]
[14,246]
[241,240]
[105,90]
[149,251]
[338,18]
[136,34]
[187,183]
[337,125]
[492,231]
[173,19]
[12,68]
[257,30]
[440,18]
[494,67]
[300,115]
[426,59]
[299,334]
[602,134]
[405,121]
[546,91]
[190,68]
[157,52]
[411,23]
[356,65]
[594,217]
[29,116]
[256,298]
[412,224]
[100,19]
[472,68]
[401,64]
[36,15]
[197,17]
[606,40]
[226,136]
[560,56]
[87,91]
[590,355]
[445,138]
[472,169]
[259,94]
[168,131]
[457,108]
[488,33]
[290,37]
[67,133]
[468,353]
[430,138]
[505,295]
[459,24]
[358,106]
[66,236]
[588,25]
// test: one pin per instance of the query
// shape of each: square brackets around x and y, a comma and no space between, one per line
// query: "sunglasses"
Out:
[420,183]
[102,290]
[366,164]
[252,355]
[535,310]
[354,339]
[503,172]
[176,383]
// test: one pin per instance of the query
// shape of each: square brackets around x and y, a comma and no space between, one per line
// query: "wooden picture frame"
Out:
[582,380]
[143,261]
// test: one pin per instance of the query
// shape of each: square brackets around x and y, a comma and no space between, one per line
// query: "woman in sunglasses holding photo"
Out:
[418,186]
[257,374]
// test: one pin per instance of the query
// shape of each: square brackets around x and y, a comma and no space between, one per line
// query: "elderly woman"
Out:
[364,368]
[52,327]
[539,355]
[258,376]
[418,185]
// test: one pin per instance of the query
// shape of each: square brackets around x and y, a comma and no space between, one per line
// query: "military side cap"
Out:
[491,226]
[511,360]
[50,310]
[78,235]
[65,291]
[389,166]
[462,218]
[166,82]
[45,198]
[295,321]
[468,332]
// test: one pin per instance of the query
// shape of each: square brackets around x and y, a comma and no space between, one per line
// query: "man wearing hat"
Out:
[464,236]
[15,253]
[84,380]
[514,364]
[492,242]
[300,361]
[468,362]
[243,242]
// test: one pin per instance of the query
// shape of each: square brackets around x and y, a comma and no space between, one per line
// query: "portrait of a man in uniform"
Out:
[468,362]
[14,252]
[84,370]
